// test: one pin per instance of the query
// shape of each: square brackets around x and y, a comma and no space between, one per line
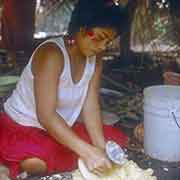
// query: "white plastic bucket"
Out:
[162,122]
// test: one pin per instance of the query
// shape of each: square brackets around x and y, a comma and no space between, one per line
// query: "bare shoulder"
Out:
[48,55]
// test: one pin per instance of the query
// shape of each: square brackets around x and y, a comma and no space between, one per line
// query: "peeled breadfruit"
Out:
[128,171]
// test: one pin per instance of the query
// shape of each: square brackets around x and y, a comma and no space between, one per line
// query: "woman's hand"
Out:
[171,78]
[97,161]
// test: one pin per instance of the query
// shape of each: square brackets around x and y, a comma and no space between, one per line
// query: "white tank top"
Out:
[20,106]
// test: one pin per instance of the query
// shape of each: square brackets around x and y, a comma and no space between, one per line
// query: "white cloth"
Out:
[20,106]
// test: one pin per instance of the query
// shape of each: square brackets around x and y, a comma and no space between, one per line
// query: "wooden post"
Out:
[18,22]
[125,39]
[175,15]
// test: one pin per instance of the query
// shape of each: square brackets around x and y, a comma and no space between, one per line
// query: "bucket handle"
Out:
[175,120]
[172,110]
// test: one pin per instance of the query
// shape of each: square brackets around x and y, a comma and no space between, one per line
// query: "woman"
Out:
[39,131]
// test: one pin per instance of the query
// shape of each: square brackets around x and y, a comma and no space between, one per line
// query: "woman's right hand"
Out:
[97,161]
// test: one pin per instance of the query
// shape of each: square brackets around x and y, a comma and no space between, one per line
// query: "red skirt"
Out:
[19,142]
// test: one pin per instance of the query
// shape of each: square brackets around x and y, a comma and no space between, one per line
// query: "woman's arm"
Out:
[91,112]
[47,67]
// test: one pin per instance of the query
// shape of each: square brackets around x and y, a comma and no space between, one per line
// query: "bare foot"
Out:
[4,173]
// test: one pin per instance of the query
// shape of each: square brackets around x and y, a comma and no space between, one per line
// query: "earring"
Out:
[90,34]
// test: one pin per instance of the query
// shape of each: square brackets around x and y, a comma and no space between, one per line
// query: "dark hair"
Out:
[95,13]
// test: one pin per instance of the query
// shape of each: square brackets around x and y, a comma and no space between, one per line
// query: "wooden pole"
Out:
[18,24]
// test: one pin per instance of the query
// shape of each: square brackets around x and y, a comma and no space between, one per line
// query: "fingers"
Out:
[97,172]
[100,167]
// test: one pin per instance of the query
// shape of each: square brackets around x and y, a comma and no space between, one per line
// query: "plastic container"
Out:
[162,122]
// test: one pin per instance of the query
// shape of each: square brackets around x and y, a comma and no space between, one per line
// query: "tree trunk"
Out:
[175,15]
[125,40]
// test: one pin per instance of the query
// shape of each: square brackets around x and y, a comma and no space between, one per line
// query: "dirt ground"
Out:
[129,82]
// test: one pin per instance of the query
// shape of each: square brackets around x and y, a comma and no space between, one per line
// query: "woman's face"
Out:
[95,41]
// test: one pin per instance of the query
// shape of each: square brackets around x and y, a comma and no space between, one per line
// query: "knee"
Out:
[33,166]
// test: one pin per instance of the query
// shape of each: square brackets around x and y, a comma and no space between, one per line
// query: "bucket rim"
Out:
[149,88]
